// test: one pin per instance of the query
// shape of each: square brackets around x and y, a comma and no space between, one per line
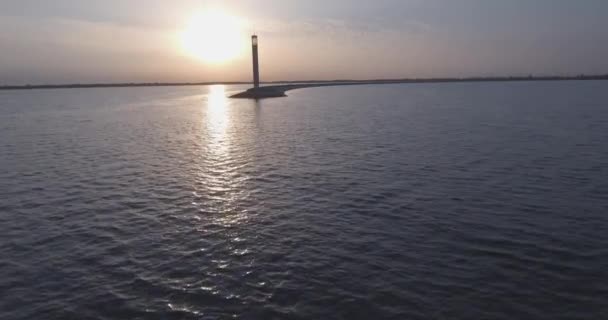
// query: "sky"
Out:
[92,41]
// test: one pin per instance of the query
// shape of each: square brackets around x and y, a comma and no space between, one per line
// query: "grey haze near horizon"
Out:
[121,41]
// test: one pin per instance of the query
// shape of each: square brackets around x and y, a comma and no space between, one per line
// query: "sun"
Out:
[213,37]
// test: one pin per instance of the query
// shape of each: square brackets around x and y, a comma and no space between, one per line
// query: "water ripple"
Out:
[443,201]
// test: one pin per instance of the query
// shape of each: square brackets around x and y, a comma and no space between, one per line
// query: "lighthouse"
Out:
[258,92]
[256,67]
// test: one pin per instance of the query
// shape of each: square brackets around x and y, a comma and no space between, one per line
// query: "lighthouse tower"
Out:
[256,68]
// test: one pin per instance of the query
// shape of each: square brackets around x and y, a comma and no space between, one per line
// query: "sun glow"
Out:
[213,37]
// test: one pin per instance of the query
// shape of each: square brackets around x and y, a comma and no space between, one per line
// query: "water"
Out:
[419,201]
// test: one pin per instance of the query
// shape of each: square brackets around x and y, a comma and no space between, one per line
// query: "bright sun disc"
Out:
[213,37]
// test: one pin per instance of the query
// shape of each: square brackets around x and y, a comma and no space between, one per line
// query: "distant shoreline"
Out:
[372,81]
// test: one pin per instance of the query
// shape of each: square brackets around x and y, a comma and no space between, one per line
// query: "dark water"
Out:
[431,201]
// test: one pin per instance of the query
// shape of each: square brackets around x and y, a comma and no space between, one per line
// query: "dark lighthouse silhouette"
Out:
[256,66]
[258,92]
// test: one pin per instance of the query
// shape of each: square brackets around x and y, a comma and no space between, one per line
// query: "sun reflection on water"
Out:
[221,176]
[217,111]
[217,148]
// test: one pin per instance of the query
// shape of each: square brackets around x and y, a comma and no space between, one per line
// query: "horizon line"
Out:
[396,80]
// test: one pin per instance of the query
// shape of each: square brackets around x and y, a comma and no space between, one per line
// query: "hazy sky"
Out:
[58,41]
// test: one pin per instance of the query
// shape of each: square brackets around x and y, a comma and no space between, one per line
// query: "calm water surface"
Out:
[420,201]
